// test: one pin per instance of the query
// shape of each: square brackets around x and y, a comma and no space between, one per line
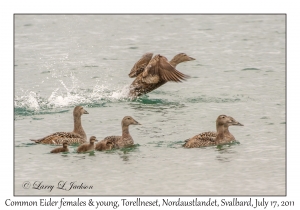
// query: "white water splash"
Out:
[65,96]
[29,100]
[60,99]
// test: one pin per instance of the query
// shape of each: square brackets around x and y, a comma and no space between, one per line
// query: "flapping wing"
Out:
[159,69]
[140,65]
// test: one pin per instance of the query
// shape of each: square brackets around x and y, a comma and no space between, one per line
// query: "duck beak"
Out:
[191,59]
[137,123]
[237,123]
[85,112]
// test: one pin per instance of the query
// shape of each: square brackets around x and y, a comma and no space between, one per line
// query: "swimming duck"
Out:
[61,149]
[222,136]
[125,140]
[87,147]
[76,136]
[152,73]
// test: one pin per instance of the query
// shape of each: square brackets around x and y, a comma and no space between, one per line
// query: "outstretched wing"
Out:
[159,69]
[140,65]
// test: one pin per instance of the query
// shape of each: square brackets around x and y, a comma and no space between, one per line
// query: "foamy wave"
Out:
[71,96]
[30,100]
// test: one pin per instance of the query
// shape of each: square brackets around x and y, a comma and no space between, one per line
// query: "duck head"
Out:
[79,110]
[234,122]
[227,121]
[127,120]
[93,139]
[182,57]
[65,143]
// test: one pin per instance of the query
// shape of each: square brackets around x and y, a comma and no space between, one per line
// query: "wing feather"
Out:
[201,140]
[59,137]
[140,65]
[159,68]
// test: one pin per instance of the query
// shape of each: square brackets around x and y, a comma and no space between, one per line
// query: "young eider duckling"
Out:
[88,147]
[76,136]
[61,149]
[152,73]
[125,140]
[222,136]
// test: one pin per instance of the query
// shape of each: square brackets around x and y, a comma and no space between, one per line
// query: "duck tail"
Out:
[36,140]
[185,142]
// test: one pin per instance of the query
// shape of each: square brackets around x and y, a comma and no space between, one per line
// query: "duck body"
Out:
[76,136]
[152,73]
[138,87]
[201,140]
[116,142]
[58,137]
[87,147]
[222,136]
[61,149]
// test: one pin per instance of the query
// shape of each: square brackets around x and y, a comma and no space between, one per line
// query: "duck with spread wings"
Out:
[152,73]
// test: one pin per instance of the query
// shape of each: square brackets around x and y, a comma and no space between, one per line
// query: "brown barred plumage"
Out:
[76,136]
[156,73]
[222,136]
[140,65]
[116,142]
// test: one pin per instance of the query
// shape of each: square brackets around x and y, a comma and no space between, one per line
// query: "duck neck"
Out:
[174,62]
[223,134]
[65,146]
[221,130]
[125,131]
[78,127]
[226,131]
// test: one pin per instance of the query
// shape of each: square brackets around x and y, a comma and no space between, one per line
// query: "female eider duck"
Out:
[88,147]
[76,136]
[125,140]
[61,149]
[152,73]
[222,136]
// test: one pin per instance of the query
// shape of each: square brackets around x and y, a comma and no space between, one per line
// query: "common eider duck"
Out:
[152,73]
[125,140]
[61,149]
[222,136]
[76,136]
[87,147]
